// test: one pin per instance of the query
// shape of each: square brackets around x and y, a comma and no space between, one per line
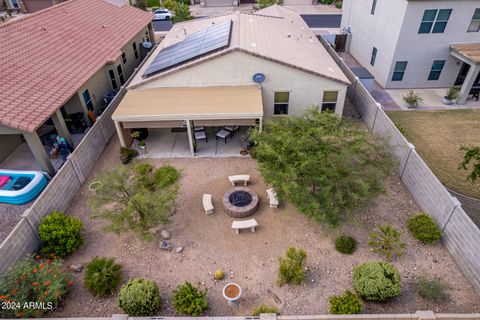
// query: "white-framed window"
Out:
[434,20]
[15,4]
[135,50]
[124,58]
[329,100]
[280,102]
[436,69]
[475,23]
[87,99]
[374,56]
[374,6]
[120,74]
[113,80]
[399,71]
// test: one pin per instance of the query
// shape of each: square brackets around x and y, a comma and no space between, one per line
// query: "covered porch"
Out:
[469,54]
[184,122]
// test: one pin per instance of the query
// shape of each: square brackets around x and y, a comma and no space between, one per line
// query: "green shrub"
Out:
[153,3]
[424,228]
[412,98]
[102,276]
[376,281]
[60,234]
[264,309]
[292,267]
[433,289]
[139,297]
[190,300]
[327,1]
[339,5]
[32,280]
[165,176]
[400,128]
[127,154]
[348,303]
[387,242]
[346,244]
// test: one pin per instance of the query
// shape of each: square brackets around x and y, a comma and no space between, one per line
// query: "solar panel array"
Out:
[193,46]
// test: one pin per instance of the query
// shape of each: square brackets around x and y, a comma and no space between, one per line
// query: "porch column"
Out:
[119,128]
[190,137]
[41,156]
[61,127]
[85,110]
[468,83]
[260,125]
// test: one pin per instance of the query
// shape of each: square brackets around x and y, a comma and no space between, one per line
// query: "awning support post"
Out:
[468,83]
[39,152]
[119,128]
[190,137]
[260,125]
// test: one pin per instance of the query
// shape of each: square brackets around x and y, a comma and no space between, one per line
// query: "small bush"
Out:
[339,5]
[387,242]
[400,128]
[292,267]
[264,309]
[41,280]
[412,98]
[127,154]
[376,281]
[139,297]
[60,234]
[102,276]
[190,300]
[424,228]
[432,290]
[348,303]
[346,244]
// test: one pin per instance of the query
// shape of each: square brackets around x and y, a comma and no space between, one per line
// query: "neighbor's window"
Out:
[475,24]
[436,70]
[399,70]
[434,21]
[124,58]
[15,4]
[87,99]
[113,81]
[329,100]
[280,104]
[374,56]
[135,51]
[374,5]
[120,74]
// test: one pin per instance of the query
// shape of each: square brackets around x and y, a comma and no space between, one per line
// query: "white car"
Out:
[163,14]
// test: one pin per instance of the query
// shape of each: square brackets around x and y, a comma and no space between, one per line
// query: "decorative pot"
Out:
[447,101]
[232,293]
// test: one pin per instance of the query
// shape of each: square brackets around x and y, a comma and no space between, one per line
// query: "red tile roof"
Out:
[47,56]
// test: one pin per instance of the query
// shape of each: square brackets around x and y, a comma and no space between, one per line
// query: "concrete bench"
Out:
[239,178]
[244,224]
[207,204]
[272,196]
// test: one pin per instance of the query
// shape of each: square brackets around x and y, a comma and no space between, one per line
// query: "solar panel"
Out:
[193,46]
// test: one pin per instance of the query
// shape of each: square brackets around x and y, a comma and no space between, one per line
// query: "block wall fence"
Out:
[460,234]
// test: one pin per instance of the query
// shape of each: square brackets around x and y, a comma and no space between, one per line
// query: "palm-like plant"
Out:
[387,242]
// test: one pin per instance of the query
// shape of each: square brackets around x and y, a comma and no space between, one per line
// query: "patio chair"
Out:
[231,129]
[199,128]
[201,135]
[223,134]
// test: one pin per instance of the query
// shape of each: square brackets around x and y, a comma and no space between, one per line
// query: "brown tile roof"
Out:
[47,56]
[469,50]
[278,35]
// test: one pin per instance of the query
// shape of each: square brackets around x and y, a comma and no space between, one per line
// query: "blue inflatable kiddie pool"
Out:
[19,187]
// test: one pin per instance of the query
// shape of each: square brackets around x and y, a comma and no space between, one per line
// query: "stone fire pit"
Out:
[240,202]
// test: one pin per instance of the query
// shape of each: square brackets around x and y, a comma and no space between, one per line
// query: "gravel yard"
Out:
[10,215]
[250,259]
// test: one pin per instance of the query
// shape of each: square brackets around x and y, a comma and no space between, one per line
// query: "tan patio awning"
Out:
[194,103]
[471,51]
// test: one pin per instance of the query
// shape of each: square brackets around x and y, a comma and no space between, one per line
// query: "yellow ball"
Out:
[218,275]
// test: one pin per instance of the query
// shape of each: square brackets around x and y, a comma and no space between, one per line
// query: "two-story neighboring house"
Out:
[416,43]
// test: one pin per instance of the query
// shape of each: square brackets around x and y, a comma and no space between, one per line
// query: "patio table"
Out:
[223,134]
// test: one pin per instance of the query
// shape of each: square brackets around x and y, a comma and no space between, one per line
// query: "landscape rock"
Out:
[165,234]
[179,249]
[76,267]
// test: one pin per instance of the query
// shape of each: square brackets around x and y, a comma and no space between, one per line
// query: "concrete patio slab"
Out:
[432,99]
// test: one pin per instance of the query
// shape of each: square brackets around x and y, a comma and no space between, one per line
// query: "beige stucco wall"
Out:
[9,143]
[420,50]
[380,30]
[238,68]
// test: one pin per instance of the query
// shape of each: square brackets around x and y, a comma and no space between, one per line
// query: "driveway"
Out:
[161,25]
[322,20]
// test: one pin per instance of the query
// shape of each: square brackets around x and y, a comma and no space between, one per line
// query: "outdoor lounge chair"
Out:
[201,135]
[231,129]
[223,134]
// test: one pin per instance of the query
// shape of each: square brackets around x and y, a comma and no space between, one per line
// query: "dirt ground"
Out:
[250,259]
